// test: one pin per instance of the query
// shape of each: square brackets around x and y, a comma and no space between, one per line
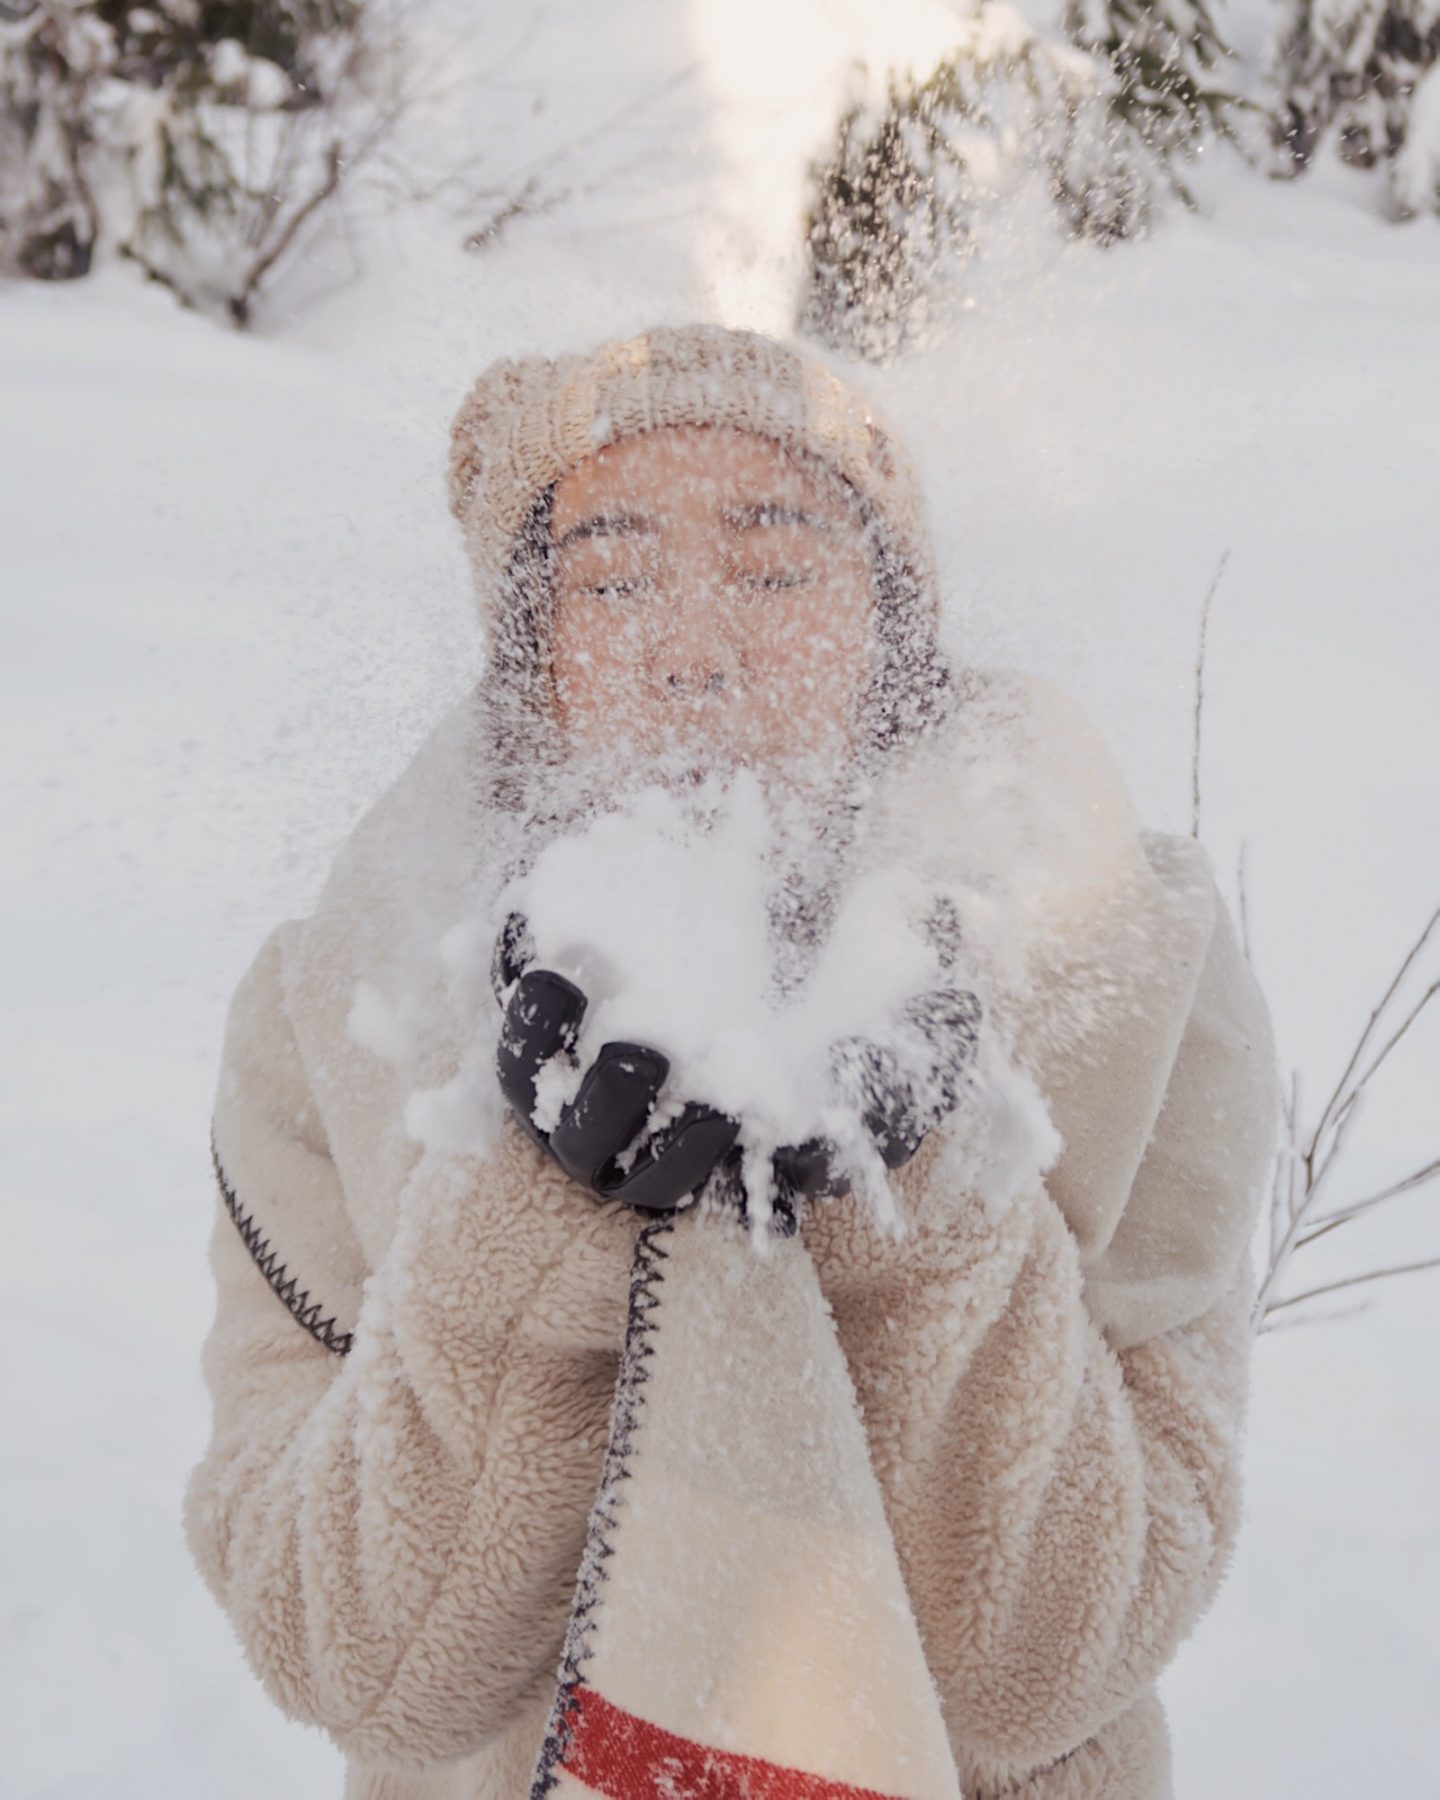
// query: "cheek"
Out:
[588,651]
[814,642]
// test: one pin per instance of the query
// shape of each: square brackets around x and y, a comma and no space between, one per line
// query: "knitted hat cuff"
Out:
[526,423]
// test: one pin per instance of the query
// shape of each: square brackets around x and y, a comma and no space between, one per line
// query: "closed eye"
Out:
[784,578]
[618,587]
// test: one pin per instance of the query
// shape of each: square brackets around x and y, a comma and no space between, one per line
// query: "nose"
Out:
[696,655]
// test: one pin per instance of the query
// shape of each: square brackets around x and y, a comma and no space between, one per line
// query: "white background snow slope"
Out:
[233,601]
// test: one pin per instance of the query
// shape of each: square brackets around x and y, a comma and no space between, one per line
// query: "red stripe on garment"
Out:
[623,1757]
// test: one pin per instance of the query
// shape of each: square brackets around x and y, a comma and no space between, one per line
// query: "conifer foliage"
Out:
[1367,73]
[1101,115]
[1174,73]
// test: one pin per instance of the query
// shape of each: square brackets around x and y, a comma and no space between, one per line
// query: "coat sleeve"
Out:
[391,1534]
[1195,1197]
[1067,1493]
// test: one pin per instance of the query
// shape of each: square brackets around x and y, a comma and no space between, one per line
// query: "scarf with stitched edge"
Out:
[740,1626]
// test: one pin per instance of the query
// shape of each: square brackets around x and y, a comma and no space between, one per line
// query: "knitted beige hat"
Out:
[526,423]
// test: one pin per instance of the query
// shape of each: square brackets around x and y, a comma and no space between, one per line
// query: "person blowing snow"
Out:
[732,1242]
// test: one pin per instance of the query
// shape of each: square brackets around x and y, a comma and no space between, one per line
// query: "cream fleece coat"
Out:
[415,1345]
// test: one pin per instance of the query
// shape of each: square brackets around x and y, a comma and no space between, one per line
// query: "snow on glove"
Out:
[595,1138]
[900,1093]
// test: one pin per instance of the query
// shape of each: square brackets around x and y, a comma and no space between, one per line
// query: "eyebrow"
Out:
[774,512]
[607,525]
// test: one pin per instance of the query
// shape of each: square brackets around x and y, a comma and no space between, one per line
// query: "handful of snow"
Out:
[658,913]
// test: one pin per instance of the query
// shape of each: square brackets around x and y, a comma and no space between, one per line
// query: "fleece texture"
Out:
[1052,1390]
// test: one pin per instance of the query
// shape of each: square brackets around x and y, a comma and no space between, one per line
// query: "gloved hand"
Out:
[899,1091]
[597,1139]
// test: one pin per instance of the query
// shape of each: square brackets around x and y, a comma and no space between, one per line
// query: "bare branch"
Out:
[1364,1037]
[1200,693]
[1282,1196]
[240,302]
[636,105]
[1349,1111]
[528,203]
[1300,1213]
[1410,1018]
[1313,1318]
[1328,1221]
[531,201]
[1329,1287]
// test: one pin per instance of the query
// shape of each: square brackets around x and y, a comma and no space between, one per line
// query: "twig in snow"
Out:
[532,200]
[1329,1287]
[1302,1169]
[241,301]
[1328,1221]
[528,203]
[1300,1172]
[1200,692]
[1364,1037]
[1313,1318]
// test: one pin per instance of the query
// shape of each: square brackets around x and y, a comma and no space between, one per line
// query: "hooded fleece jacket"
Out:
[415,1346]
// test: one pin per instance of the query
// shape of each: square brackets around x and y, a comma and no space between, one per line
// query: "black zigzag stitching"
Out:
[299,1303]
[646,1274]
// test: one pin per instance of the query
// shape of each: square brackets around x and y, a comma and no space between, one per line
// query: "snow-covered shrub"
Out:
[53,58]
[211,135]
[1100,116]
[1363,71]
[238,146]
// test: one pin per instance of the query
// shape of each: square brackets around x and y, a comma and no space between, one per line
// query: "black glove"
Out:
[542,1019]
[899,1098]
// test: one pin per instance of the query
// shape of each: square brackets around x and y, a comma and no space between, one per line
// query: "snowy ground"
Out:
[234,600]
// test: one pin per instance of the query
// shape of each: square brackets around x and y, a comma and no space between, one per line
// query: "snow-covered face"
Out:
[710,602]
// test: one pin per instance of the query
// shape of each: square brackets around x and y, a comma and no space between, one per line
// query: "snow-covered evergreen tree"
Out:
[1364,71]
[1101,116]
[1175,80]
